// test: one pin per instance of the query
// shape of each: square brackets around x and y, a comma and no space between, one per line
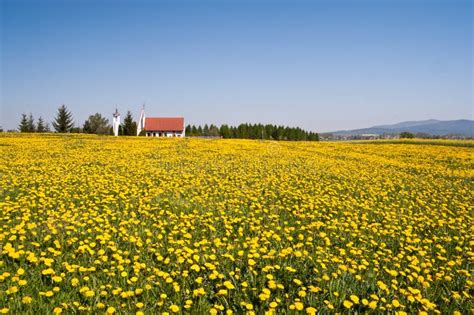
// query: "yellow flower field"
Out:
[152,226]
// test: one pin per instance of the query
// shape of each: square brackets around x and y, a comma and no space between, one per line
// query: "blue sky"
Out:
[320,65]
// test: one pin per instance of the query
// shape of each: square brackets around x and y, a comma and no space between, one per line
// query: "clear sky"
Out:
[320,65]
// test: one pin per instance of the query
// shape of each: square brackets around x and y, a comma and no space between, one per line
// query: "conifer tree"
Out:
[63,121]
[31,123]
[129,126]
[188,130]
[23,126]
[40,127]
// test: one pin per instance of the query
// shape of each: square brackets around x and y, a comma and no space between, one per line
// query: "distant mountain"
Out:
[408,124]
[433,127]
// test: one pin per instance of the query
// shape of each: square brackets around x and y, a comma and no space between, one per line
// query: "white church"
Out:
[154,126]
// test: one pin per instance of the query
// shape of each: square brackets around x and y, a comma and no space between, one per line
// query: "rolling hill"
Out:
[462,127]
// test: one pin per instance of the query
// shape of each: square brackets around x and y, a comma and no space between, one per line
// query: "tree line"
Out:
[252,131]
[64,123]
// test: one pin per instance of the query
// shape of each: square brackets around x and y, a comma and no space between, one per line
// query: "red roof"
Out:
[164,124]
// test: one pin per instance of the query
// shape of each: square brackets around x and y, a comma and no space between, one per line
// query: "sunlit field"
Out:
[152,226]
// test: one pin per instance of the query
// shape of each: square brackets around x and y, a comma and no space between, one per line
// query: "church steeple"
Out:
[141,121]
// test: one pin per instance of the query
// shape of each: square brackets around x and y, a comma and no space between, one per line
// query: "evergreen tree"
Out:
[224,132]
[268,131]
[63,121]
[188,130]
[40,127]
[23,126]
[31,123]
[205,130]
[313,136]
[276,134]
[242,131]
[129,126]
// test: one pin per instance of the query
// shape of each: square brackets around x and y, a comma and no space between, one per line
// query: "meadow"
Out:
[103,225]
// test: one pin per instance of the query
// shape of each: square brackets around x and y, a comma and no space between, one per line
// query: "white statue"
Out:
[116,122]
